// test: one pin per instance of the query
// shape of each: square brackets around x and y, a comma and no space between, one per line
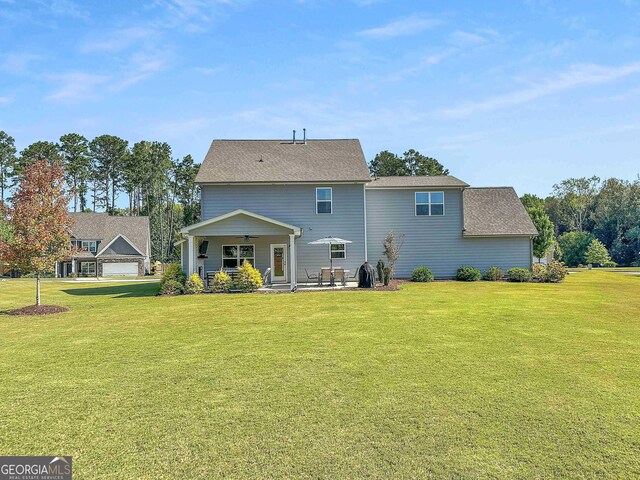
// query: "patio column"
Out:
[190,254]
[73,265]
[292,261]
[56,274]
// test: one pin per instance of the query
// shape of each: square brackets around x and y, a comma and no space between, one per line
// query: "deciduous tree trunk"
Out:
[37,288]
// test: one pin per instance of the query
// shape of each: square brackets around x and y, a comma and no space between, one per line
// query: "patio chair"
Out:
[325,276]
[355,275]
[338,276]
[266,278]
[313,276]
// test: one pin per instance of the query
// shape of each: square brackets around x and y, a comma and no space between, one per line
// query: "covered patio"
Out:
[228,240]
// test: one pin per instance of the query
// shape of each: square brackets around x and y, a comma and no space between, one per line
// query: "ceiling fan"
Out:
[247,237]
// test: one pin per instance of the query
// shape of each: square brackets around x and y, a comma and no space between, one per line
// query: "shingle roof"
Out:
[103,227]
[495,212]
[241,161]
[417,182]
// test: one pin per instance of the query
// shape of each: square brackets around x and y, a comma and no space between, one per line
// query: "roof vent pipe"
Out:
[304,135]
[294,137]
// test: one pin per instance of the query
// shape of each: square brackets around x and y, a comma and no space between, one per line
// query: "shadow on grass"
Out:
[117,291]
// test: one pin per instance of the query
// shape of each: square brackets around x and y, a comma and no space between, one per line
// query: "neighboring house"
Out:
[265,200]
[108,246]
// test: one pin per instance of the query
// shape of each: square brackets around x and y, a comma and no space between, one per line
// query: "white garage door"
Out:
[115,269]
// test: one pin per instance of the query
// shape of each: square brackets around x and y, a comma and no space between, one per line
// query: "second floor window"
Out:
[430,203]
[324,200]
[89,246]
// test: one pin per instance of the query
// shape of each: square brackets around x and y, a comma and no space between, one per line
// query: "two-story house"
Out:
[107,246]
[265,200]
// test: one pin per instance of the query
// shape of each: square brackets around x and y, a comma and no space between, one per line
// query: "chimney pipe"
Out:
[294,137]
[304,134]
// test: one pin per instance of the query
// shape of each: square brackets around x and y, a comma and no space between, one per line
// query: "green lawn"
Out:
[437,380]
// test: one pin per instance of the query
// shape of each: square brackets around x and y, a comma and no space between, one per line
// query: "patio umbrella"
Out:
[329,241]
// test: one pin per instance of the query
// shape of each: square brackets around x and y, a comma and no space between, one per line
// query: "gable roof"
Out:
[444,181]
[295,230]
[267,161]
[106,228]
[495,212]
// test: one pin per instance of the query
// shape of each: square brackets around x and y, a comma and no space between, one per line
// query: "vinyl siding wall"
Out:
[295,205]
[436,241]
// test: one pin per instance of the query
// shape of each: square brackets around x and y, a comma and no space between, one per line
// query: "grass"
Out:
[437,380]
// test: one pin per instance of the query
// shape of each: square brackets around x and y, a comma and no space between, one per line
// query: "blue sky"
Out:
[502,93]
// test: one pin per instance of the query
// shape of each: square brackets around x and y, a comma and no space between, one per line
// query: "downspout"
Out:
[364,199]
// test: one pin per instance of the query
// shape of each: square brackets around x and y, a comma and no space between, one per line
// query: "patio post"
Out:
[190,254]
[292,261]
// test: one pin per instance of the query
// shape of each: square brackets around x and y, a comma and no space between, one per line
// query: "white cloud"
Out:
[118,40]
[465,38]
[5,100]
[575,76]
[77,86]
[399,28]
[18,63]
[210,70]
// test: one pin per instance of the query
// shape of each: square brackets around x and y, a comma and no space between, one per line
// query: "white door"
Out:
[278,263]
[116,269]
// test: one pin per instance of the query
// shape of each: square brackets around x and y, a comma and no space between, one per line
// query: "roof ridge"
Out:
[299,141]
[490,188]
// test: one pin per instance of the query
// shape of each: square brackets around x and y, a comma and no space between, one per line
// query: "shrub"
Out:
[519,274]
[221,282]
[493,274]
[468,274]
[386,275]
[555,272]
[171,287]
[174,272]
[421,274]
[539,272]
[249,278]
[194,284]
[597,253]
[380,269]
[610,264]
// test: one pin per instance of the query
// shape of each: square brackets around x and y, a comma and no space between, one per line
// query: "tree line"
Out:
[594,221]
[100,171]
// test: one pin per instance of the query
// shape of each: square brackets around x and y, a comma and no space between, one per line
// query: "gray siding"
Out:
[120,247]
[436,242]
[295,205]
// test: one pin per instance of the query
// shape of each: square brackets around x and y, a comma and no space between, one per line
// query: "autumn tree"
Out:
[39,221]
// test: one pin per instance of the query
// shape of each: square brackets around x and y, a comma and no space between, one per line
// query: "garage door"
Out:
[115,269]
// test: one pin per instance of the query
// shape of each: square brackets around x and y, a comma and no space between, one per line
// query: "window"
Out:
[430,203]
[338,250]
[235,255]
[88,268]
[324,200]
[89,246]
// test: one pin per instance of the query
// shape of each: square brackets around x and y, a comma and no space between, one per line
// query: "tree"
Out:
[577,196]
[187,192]
[7,163]
[392,245]
[531,201]
[38,151]
[107,156]
[574,247]
[597,253]
[543,242]
[77,163]
[387,164]
[418,164]
[39,220]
